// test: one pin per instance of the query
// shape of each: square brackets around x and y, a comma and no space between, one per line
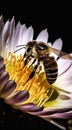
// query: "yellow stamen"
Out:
[38,87]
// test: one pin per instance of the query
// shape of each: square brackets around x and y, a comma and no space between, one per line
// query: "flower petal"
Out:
[12,27]
[17,36]
[3,79]
[43,36]
[64,75]
[5,34]
[58,44]
[30,107]
[21,33]
[28,36]
[46,113]
[62,116]
[63,65]
[8,88]
[18,97]
[11,32]
[2,68]
[1,60]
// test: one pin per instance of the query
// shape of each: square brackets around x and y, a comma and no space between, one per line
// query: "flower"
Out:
[36,95]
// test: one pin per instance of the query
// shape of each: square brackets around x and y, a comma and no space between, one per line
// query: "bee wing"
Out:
[61,54]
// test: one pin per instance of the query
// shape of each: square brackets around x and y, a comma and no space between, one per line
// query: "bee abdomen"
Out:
[51,69]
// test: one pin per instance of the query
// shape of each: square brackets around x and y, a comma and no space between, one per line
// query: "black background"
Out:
[56,17]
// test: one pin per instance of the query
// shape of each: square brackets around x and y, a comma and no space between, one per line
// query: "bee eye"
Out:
[41,47]
[30,46]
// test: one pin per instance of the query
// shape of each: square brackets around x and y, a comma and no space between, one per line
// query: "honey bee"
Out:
[41,51]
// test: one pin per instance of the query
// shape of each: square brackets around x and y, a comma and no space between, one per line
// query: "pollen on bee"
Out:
[38,87]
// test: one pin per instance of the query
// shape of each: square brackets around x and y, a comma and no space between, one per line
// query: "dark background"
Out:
[56,17]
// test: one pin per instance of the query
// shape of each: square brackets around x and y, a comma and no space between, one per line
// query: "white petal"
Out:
[5,33]
[28,36]
[50,44]
[63,64]
[5,38]
[64,81]
[11,31]
[12,27]
[23,30]
[59,103]
[21,33]
[17,32]
[25,36]
[43,36]
[17,36]
[58,44]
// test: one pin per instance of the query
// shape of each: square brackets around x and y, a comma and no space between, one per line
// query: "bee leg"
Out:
[33,62]
[27,59]
[24,55]
[34,70]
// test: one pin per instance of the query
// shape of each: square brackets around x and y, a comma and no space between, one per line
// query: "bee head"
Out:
[29,46]
[41,46]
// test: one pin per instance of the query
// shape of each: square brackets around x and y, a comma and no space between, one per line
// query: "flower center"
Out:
[38,87]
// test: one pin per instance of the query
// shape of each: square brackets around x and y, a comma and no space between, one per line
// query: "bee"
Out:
[41,51]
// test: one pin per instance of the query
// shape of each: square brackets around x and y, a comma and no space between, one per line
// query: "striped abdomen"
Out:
[51,69]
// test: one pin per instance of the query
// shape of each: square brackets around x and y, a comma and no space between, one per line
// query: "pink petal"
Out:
[63,65]
[28,36]
[62,116]
[18,97]
[58,44]
[3,78]
[43,36]
[12,27]
[31,108]
[1,60]
[8,88]
[5,34]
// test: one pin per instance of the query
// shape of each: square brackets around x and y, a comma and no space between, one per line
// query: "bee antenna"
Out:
[21,45]
[19,49]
